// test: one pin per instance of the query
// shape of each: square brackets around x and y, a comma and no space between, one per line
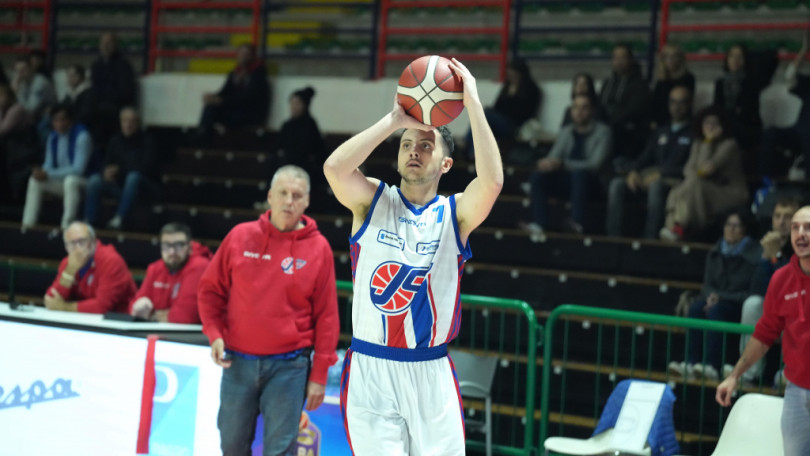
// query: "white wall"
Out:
[348,105]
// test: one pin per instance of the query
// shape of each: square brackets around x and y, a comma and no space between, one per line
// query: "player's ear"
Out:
[447,163]
[269,192]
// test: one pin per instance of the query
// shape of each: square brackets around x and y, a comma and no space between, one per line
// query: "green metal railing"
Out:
[508,329]
[648,325]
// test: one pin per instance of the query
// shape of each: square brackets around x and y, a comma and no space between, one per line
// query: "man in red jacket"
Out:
[169,291]
[267,300]
[93,278]
[786,312]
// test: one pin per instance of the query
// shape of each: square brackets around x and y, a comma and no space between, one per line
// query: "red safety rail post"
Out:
[666,28]
[503,31]
[20,25]
[156,28]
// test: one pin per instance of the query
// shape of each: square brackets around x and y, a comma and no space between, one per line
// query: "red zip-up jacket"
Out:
[176,291]
[786,309]
[105,285]
[268,292]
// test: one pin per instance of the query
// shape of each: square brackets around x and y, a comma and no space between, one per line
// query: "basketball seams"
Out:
[419,96]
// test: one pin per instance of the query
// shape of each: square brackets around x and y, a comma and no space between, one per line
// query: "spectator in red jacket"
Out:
[93,278]
[267,300]
[169,291]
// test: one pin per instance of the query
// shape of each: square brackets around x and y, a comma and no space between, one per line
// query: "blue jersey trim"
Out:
[466,251]
[398,354]
[359,233]
[413,208]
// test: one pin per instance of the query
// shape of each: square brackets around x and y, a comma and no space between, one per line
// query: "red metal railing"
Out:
[383,56]
[667,28]
[22,8]
[157,28]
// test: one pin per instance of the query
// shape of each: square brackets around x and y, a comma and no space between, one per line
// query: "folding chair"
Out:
[475,374]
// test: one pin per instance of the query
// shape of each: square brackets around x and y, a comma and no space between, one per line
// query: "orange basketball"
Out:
[430,92]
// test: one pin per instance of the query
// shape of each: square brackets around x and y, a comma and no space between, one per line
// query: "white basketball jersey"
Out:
[406,268]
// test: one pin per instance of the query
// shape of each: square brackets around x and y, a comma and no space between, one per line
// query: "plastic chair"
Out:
[475,374]
[660,431]
[753,427]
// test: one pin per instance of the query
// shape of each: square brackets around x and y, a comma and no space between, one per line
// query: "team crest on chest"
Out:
[393,286]
[288,263]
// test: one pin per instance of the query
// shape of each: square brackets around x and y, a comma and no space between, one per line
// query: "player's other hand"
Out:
[725,391]
[470,86]
[401,119]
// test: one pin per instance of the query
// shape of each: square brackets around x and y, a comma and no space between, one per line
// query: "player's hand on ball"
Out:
[402,120]
[470,88]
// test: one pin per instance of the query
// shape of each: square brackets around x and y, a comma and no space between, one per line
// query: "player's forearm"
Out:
[352,153]
[488,166]
[754,351]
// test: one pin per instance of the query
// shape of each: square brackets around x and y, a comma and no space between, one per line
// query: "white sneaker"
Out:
[679,369]
[114,223]
[532,228]
[706,371]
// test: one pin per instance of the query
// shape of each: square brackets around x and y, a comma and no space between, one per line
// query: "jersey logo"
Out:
[393,286]
[287,264]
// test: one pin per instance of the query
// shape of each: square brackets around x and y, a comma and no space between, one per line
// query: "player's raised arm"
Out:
[350,186]
[474,204]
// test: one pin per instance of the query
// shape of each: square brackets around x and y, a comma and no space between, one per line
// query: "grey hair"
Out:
[90,231]
[291,170]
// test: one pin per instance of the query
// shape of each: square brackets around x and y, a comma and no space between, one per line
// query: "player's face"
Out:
[421,157]
[288,198]
[800,232]
[174,249]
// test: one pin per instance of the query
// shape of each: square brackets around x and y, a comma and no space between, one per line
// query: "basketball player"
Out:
[399,394]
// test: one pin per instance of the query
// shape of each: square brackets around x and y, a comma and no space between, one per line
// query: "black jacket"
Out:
[666,150]
[730,276]
[250,94]
[135,153]
[626,99]
[114,81]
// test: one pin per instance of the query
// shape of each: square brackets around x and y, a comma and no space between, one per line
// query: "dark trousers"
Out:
[563,184]
[794,138]
[724,310]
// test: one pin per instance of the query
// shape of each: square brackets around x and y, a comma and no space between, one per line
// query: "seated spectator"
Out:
[300,141]
[169,290]
[730,265]
[797,137]
[657,170]
[571,166]
[518,101]
[670,72]
[114,84]
[18,143]
[93,278]
[67,154]
[625,97]
[81,98]
[583,84]
[737,94]
[776,252]
[39,63]
[714,180]
[130,168]
[244,100]
[34,91]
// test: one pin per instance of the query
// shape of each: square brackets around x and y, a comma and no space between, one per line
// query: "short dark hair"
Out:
[176,227]
[789,201]
[79,70]
[64,108]
[447,137]
[746,54]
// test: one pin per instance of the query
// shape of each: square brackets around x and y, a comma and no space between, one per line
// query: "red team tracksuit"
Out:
[104,285]
[176,291]
[269,292]
[787,308]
